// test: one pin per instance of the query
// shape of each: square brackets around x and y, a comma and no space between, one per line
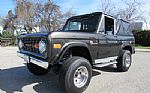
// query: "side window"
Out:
[75,26]
[109,26]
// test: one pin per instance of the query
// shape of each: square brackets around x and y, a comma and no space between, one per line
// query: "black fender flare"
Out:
[129,47]
[69,45]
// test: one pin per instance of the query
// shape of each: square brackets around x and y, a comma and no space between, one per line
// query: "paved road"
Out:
[15,78]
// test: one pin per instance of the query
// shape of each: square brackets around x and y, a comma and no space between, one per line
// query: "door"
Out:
[108,43]
[113,45]
[103,46]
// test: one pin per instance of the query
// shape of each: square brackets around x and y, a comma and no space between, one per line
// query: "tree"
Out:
[8,22]
[35,13]
[107,6]
[52,16]
[25,12]
[129,10]
[1,21]
[132,10]
[68,14]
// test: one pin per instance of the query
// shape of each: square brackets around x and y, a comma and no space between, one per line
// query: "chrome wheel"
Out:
[81,76]
[127,60]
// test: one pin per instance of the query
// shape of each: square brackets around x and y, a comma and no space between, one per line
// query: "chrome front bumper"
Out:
[38,62]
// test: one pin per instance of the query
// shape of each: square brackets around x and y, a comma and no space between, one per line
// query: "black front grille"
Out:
[30,44]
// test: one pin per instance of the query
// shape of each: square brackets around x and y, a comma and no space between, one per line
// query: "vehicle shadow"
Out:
[16,79]
[95,73]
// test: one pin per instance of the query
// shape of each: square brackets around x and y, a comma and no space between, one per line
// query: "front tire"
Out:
[75,75]
[124,61]
[36,70]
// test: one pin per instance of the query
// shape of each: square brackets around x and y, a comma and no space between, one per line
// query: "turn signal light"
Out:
[57,46]
[36,45]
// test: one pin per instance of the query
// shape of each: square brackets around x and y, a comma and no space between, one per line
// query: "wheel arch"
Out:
[128,47]
[78,46]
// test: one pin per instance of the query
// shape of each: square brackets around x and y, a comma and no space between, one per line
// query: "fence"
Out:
[7,41]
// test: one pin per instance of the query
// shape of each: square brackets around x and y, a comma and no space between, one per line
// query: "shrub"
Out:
[7,34]
[142,37]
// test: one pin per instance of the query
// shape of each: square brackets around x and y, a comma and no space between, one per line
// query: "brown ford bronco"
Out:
[86,41]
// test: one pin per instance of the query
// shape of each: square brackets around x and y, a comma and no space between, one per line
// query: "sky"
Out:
[5,6]
[78,6]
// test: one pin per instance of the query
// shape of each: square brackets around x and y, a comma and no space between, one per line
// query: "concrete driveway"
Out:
[15,77]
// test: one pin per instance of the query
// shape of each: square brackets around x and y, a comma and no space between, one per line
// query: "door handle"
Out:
[93,43]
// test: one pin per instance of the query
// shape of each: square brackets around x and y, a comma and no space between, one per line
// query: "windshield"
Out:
[82,24]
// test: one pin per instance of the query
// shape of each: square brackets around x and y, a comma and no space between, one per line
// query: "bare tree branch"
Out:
[107,6]
[35,13]
[131,11]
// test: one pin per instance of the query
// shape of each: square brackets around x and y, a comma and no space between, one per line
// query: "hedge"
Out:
[7,34]
[142,37]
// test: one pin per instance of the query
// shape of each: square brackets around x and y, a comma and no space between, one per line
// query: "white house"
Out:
[140,26]
[20,29]
[1,29]
[146,26]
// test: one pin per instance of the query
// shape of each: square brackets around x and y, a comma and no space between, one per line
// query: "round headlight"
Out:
[42,47]
[20,44]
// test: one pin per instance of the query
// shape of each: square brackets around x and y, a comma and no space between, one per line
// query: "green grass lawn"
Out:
[142,47]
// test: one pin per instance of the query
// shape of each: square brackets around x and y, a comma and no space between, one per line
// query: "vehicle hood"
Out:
[71,35]
[34,35]
[63,35]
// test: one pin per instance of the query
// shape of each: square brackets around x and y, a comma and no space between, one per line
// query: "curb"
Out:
[142,50]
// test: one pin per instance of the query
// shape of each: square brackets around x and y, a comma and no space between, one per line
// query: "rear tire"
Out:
[75,75]
[124,61]
[36,70]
